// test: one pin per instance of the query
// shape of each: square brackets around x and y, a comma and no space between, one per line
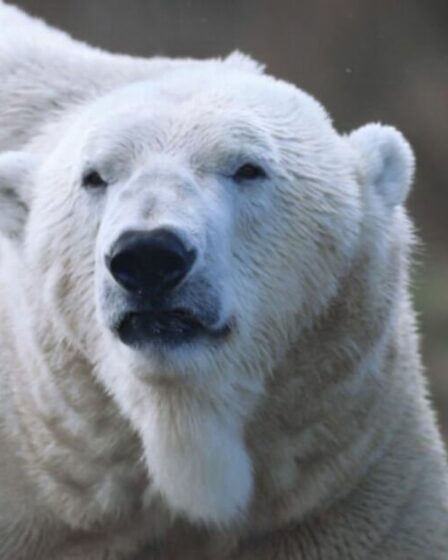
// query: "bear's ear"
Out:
[244,62]
[386,161]
[15,178]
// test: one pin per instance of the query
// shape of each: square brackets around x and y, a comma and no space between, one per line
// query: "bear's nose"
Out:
[149,261]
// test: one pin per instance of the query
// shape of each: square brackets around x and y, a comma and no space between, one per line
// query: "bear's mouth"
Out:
[173,327]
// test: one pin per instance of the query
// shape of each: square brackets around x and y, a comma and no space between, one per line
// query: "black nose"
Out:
[150,261]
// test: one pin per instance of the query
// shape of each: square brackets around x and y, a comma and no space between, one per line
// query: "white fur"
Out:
[386,162]
[197,459]
[300,434]
[15,178]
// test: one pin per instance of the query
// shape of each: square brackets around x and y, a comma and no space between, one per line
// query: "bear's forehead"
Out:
[216,97]
[207,143]
[164,124]
[206,109]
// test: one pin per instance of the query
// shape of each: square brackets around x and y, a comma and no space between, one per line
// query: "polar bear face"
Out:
[195,225]
[185,215]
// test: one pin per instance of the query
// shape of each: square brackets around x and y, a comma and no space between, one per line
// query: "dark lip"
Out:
[165,326]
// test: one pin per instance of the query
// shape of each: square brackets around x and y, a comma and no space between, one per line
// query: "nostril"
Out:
[150,261]
[126,270]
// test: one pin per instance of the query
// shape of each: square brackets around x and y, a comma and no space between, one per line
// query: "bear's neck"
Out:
[335,439]
[80,452]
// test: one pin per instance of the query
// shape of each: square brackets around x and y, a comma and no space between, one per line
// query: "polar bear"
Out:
[208,346]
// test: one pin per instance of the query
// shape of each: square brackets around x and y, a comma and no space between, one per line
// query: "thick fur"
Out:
[306,432]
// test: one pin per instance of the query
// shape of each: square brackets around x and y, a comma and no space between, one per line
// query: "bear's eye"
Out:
[92,179]
[249,172]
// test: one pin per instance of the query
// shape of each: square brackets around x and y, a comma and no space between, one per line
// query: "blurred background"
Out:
[383,61]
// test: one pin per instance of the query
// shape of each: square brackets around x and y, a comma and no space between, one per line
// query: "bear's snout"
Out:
[150,267]
[150,262]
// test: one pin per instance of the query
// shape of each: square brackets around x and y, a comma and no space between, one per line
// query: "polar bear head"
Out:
[191,227]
